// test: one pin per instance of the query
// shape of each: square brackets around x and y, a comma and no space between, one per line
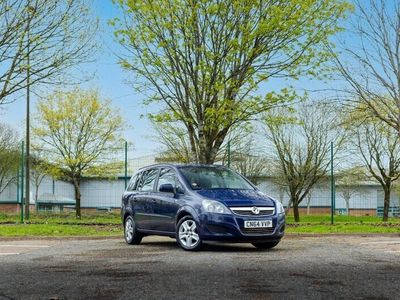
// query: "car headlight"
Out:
[279,208]
[214,207]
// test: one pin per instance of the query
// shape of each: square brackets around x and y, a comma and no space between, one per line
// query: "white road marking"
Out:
[9,253]
[381,242]
[25,246]
[393,251]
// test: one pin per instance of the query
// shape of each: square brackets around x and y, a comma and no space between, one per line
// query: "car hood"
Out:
[231,197]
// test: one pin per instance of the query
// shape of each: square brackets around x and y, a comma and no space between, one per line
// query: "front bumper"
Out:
[230,228]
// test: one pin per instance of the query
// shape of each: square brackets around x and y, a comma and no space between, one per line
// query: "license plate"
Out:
[258,224]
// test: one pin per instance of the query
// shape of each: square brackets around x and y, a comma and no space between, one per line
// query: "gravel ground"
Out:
[340,267]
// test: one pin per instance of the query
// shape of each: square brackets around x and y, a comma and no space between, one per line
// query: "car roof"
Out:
[179,165]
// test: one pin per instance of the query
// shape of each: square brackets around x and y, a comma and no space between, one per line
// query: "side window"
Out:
[168,176]
[139,181]
[132,183]
[147,181]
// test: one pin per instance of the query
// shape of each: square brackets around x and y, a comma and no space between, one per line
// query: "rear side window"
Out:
[132,183]
[147,180]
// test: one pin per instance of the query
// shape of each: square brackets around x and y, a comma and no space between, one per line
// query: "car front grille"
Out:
[248,211]
[257,230]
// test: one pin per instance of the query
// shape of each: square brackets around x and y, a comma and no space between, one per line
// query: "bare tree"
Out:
[249,160]
[175,143]
[378,146]
[347,181]
[309,196]
[48,37]
[372,67]
[282,190]
[9,156]
[300,149]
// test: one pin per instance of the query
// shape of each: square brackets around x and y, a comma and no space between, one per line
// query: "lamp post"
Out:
[30,11]
[332,187]
[126,164]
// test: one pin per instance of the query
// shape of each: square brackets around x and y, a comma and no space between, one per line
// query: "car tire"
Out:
[266,245]
[187,235]
[131,234]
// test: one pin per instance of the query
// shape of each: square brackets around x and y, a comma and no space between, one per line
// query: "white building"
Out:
[366,199]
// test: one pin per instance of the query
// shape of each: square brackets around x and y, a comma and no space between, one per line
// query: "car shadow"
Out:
[167,244]
[211,247]
[222,247]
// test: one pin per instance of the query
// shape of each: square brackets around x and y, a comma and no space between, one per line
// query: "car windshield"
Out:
[214,178]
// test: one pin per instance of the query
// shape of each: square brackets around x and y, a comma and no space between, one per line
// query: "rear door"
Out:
[145,215]
[135,200]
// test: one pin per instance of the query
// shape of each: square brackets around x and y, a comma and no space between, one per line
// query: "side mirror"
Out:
[167,188]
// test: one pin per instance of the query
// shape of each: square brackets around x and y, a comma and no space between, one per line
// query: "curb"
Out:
[115,237]
[300,235]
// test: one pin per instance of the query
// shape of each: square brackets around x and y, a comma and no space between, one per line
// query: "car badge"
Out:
[255,210]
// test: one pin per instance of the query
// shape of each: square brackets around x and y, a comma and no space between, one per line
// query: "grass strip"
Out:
[344,228]
[56,230]
[109,224]
[65,218]
[339,219]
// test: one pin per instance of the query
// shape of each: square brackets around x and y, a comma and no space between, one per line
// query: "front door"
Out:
[166,205]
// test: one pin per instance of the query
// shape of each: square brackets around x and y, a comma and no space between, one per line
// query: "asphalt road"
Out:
[298,268]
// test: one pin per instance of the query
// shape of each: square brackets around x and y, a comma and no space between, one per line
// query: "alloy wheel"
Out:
[188,234]
[129,230]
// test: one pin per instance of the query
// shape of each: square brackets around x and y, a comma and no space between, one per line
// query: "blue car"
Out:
[199,203]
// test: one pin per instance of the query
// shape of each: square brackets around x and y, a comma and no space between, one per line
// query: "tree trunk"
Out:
[296,212]
[203,151]
[386,202]
[194,158]
[347,206]
[77,198]
[295,203]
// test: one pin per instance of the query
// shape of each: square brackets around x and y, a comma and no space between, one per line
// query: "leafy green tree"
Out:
[78,131]
[9,155]
[42,168]
[205,60]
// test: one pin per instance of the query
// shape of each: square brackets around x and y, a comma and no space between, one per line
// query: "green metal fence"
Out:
[104,193]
